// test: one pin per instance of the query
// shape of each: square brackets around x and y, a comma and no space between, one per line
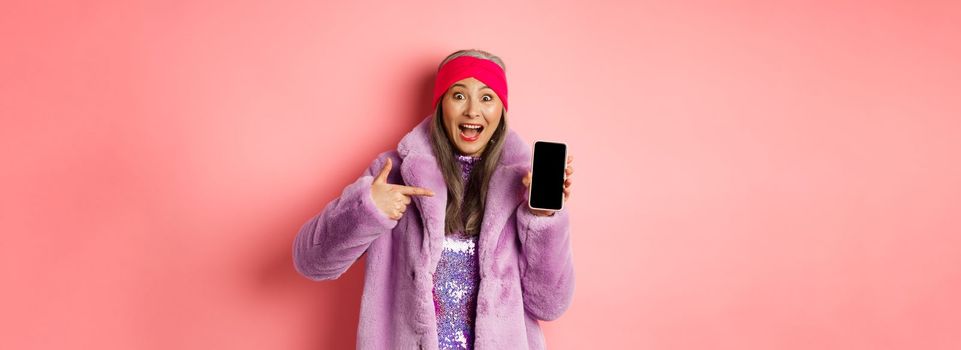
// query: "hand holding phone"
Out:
[548,183]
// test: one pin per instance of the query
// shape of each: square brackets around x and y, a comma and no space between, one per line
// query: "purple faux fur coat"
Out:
[526,269]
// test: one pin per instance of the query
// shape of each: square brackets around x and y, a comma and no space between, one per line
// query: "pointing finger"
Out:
[414,191]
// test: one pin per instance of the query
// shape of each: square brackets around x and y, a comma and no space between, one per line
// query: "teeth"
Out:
[469,126]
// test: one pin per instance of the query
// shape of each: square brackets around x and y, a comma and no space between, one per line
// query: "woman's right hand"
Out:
[392,200]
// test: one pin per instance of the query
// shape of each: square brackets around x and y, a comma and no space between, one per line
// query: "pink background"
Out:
[750,175]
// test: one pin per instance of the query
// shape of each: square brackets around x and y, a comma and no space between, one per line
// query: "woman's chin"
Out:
[469,151]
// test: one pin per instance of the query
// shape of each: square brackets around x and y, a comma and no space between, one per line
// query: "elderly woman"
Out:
[475,268]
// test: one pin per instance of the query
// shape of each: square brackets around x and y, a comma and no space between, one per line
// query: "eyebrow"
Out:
[465,86]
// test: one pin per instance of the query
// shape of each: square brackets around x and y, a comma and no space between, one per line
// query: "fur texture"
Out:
[525,261]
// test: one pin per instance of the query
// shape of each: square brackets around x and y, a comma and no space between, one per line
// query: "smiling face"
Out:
[472,112]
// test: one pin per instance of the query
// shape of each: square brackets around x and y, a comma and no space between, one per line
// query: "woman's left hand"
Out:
[567,186]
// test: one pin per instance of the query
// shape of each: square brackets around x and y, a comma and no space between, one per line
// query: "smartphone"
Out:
[546,191]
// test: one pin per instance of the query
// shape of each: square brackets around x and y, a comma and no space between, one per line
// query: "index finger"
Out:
[414,191]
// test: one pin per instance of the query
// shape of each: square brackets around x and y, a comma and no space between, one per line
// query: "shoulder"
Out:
[516,150]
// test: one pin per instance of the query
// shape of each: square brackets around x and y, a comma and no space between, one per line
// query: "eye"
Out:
[488,98]
[458,96]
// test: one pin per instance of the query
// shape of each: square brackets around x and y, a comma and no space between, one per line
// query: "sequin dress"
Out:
[455,283]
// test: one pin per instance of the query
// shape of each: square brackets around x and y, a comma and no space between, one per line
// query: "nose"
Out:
[473,109]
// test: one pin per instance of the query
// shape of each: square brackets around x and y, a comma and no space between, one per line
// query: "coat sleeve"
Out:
[546,266]
[329,242]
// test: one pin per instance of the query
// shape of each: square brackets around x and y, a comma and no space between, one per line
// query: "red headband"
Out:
[462,67]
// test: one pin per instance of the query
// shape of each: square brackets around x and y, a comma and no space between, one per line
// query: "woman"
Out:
[476,268]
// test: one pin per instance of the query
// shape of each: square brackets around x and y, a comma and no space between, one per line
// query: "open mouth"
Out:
[470,132]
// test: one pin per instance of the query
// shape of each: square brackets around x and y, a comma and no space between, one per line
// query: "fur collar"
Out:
[506,191]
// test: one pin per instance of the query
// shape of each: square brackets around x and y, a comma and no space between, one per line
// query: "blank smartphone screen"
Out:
[547,181]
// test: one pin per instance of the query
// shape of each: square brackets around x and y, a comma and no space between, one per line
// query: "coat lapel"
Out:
[419,168]
[504,193]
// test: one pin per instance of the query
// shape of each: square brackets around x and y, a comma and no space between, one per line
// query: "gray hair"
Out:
[474,53]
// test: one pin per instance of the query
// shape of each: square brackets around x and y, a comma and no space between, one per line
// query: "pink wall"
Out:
[750,175]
